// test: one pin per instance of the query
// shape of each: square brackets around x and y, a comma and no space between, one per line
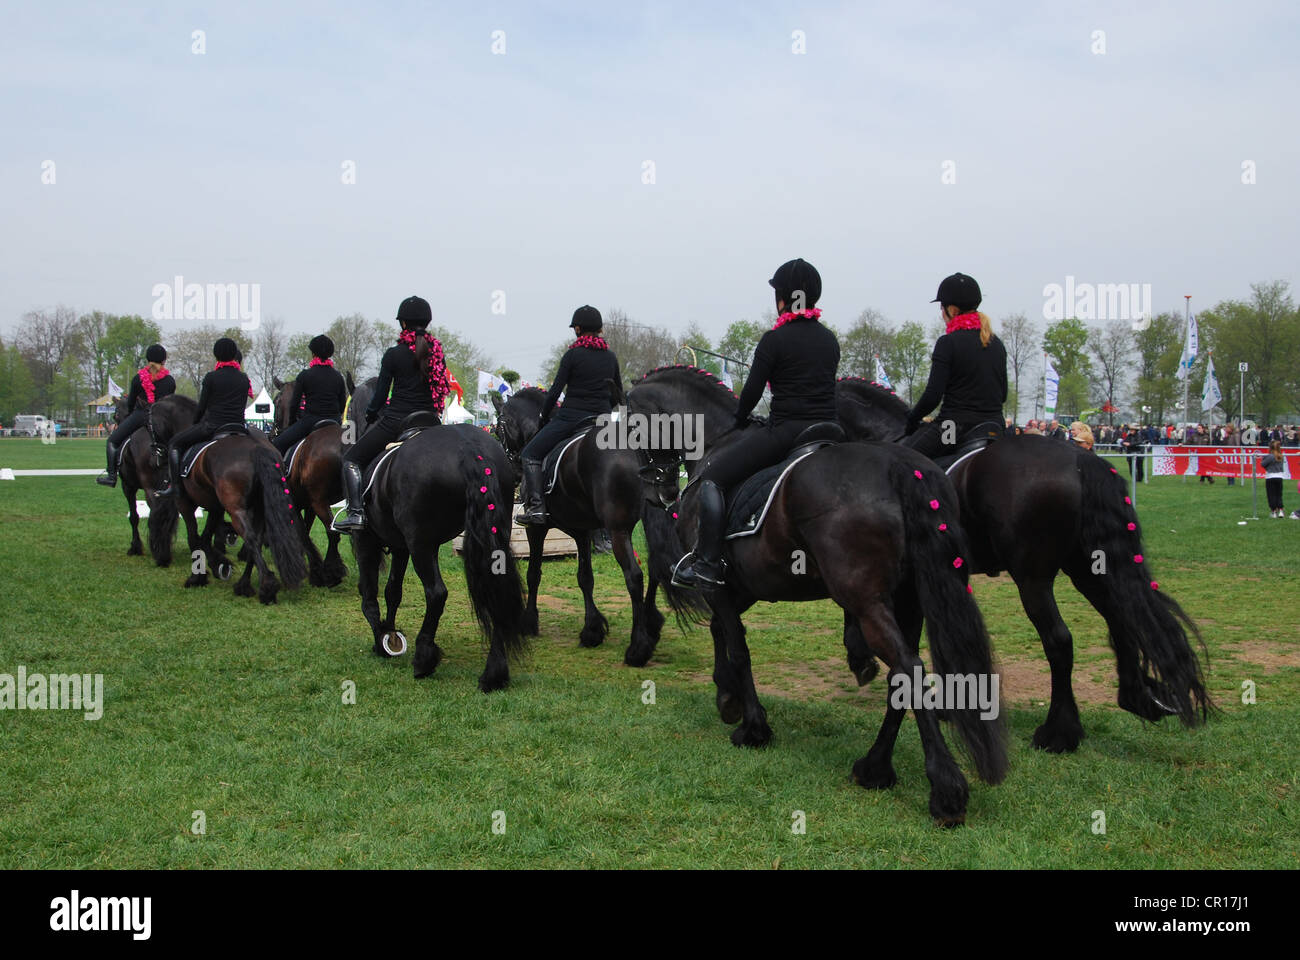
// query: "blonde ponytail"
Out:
[986,328]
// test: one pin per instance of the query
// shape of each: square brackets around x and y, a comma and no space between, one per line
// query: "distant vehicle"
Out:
[31,424]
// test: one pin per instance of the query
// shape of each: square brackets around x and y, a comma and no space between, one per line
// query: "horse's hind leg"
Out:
[528,625]
[642,645]
[728,697]
[315,563]
[875,771]
[427,652]
[1062,730]
[365,547]
[335,569]
[198,554]
[397,562]
[861,661]
[594,625]
[654,619]
[133,514]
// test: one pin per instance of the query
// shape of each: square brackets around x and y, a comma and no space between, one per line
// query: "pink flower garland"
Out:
[963,321]
[438,388]
[147,381]
[318,362]
[813,314]
[591,342]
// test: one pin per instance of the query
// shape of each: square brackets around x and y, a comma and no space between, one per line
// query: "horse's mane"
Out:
[686,367]
[885,396]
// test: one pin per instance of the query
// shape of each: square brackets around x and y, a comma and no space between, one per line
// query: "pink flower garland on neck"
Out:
[318,362]
[963,321]
[148,380]
[438,387]
[785,318]
[590,341]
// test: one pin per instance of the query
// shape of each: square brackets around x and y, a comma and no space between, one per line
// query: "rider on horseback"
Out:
[222,401]
[799,358]
[319,391]
[416,372]
[590,380]
[151,384]
[968,372]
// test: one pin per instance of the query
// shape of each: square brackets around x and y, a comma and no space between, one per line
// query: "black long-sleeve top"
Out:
[325,391]
[223,397]
[135,397]
[408,380]
[971,379]
[800,359]
[589,379]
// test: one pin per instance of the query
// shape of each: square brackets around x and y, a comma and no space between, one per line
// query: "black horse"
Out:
[597,487]
[445,480]
[1034,507]
[144,467]
[316,479]
[873,527]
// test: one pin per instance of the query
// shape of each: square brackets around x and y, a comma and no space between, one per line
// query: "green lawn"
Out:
[218,704]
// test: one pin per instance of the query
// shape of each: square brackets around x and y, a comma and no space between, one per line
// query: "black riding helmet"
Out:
[587,319]
[959,291]
[155,354]
[797,277]
[225,350]
[321,346]
[414,313]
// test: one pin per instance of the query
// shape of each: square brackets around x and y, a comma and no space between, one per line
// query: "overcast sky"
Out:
[525,171]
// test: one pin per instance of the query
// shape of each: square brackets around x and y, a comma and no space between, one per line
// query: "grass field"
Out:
[217,704]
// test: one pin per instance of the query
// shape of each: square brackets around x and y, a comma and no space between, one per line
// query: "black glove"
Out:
[913,424]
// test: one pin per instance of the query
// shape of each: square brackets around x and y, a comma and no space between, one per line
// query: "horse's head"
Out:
[280,404]
[869,411]
[119,409]
[359,395]
[518,420]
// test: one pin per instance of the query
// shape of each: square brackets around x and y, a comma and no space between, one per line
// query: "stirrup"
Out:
[699,575]
[349,522]
[107,479]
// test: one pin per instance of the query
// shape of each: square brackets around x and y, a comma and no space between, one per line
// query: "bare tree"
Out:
[870,335]
[190,356]
[1115,350]
[1021,338]
[270,352]
[49,341]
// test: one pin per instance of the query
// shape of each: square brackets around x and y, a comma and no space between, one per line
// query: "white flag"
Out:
[1051,385]
[487,382]
[114,390]
[882,378]
[1191,347]
[726,378]
[1210,393]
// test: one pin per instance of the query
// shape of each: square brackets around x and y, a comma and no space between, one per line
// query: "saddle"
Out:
[551,464]
[413,424]
[975,439]
[293,451]
[192,454]
[747,507]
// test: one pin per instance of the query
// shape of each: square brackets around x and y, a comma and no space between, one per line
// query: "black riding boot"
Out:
[173,473]
[702,568]
[534,497]
[356,514]
[109,477]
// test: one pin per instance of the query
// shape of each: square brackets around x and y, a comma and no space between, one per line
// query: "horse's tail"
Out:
[278,517]
[959,642]
[664,549]
[495,590]
[163,517]
[1146,618]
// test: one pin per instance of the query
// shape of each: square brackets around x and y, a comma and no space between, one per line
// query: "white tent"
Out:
[261,412]
[455,413]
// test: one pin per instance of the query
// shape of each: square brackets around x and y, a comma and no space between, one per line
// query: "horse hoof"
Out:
[224,570]
[134,550]
[729,708]
[394,643]
[1055,741]
[196,580]
[952,821]
[874,778]
[866,673]
[759,735]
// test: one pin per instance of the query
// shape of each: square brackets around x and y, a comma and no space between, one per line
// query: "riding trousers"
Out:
[133,422]
[295,432]
[196,434]
[564,424]
[929,440]
[371,444]
[756,449]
